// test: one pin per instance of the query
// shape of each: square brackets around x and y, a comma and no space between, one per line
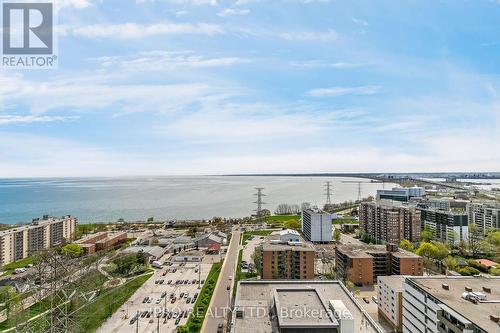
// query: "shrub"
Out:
[468,271]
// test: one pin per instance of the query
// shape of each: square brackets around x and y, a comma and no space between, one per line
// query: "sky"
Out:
[186,87]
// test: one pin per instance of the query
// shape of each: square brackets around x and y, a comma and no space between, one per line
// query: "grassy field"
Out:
[195,319]
[248,234]
[345,221]
[93,315]
[282,218]
[9,268]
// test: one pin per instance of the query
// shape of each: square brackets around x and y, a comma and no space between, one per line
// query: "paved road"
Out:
[220,298]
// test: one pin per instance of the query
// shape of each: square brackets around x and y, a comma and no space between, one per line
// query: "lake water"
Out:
[137,198]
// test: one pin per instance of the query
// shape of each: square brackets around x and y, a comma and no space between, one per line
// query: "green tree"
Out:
[337,234]
[349,284]
[406,245]
[72,250]
[442,251]
[191,231]
[474,240]
[426,234]
[450,263]
[427,250]
[292,224]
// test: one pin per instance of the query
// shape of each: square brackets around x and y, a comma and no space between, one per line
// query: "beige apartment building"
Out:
[283,259]
[21,242]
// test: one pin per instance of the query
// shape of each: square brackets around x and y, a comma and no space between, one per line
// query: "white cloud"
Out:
[321,36]
[78,4]
[26,119]
[137,31]
[233,11]
[339,91]
[326,64]
[184,2]
[93,93]
[164,60]
[360,22]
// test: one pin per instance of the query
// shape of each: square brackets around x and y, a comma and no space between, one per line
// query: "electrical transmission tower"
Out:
[259,203]
[328,192]
[60,288]
[359,191]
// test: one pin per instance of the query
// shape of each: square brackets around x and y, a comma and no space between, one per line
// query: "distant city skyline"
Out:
[186,87]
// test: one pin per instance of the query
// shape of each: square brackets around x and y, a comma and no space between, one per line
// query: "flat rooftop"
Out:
[255,299]
[478,314]
[294,305]
[364,250]
[270,245]
[396,282]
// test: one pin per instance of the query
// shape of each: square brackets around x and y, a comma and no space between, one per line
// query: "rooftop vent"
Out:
[487,290]
[467,288]
[445,286]
[494,318]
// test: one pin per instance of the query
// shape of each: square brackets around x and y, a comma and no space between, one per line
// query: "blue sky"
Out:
[211,86]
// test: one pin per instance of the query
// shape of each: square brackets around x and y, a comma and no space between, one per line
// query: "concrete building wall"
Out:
[390,302]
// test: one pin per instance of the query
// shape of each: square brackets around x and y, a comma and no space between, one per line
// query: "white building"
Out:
[390,299]
[317,225]
[451,304]
[485,215]
[20,242]
[290,235]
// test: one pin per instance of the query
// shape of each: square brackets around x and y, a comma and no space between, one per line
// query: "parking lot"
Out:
[163,301]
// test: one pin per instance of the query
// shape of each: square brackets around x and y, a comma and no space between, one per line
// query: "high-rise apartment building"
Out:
[389,221]
[21,242]
[485,215]
[317,225]
[451,304]
[445,226]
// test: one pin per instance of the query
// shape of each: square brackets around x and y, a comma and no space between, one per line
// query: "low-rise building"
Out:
[451,304]
[363,264]
[403,194]
[20,242]
[152,252]
[207,240]
[298,307]
[290,235]
[101,241]
[189,256]
[390,300]
[286,259]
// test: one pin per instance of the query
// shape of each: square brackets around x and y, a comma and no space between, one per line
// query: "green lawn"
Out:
[195,320]
[345,221]
[94,314]
[248,234]
[9,268]
[282,218]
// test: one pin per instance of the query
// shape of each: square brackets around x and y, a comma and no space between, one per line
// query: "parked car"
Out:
[158,301]
[181,295]
[193,300]
[173,300]
[220,327]
[188,300]
[177,321]
[367,301]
